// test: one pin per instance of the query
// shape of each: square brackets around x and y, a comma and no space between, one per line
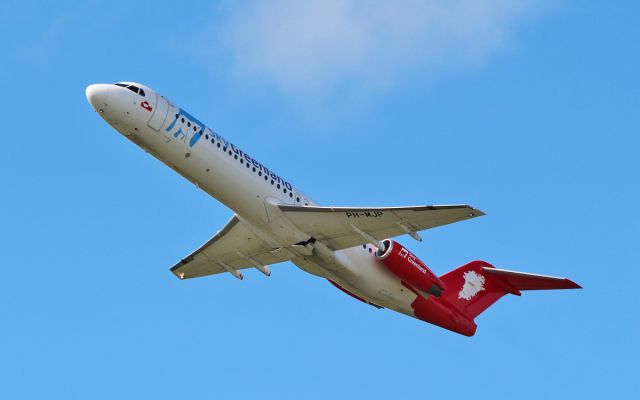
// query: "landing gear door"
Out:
[159,113]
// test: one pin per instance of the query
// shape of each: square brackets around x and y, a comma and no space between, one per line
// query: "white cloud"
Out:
[321,46]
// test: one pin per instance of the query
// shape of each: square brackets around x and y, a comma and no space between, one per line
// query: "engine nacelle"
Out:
[406,266]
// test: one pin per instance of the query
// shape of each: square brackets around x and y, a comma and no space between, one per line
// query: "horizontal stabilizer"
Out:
[526,281]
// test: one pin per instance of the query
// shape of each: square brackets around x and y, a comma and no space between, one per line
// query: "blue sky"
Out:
[526,110]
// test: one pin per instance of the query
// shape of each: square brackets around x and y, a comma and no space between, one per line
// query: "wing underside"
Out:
[234,248]
[344,227]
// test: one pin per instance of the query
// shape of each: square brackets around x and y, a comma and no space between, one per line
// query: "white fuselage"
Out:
[241,183]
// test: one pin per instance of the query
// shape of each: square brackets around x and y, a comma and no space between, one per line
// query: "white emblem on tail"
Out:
[473,283]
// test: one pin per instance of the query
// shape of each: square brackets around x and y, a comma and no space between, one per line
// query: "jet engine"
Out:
[406,266]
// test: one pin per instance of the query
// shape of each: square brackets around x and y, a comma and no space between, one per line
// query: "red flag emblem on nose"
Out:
[145,104]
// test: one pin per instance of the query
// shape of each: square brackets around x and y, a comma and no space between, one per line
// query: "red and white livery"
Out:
[275,222]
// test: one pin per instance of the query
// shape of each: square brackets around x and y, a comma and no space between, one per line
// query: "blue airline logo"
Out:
[186,128]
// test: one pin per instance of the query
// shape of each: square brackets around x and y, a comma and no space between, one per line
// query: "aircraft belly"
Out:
[372,281]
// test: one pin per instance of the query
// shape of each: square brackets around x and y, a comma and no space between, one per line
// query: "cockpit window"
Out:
[134,89]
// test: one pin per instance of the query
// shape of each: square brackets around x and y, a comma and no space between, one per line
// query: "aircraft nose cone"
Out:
[97,96]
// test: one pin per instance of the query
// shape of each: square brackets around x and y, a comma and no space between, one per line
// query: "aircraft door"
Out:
[159,113]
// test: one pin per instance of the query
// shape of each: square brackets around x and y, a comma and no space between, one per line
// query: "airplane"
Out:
[274,222]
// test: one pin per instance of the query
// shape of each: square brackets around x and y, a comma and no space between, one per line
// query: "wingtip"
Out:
[474,212]
[572,285]
[179,275]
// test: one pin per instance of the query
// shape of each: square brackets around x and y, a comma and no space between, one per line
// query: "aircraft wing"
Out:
[343,227]
[235,247]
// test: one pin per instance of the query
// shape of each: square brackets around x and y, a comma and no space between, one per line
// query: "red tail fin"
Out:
[474,287]
[470,290]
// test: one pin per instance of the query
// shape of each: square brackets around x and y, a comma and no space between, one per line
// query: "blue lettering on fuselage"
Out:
[189,130]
